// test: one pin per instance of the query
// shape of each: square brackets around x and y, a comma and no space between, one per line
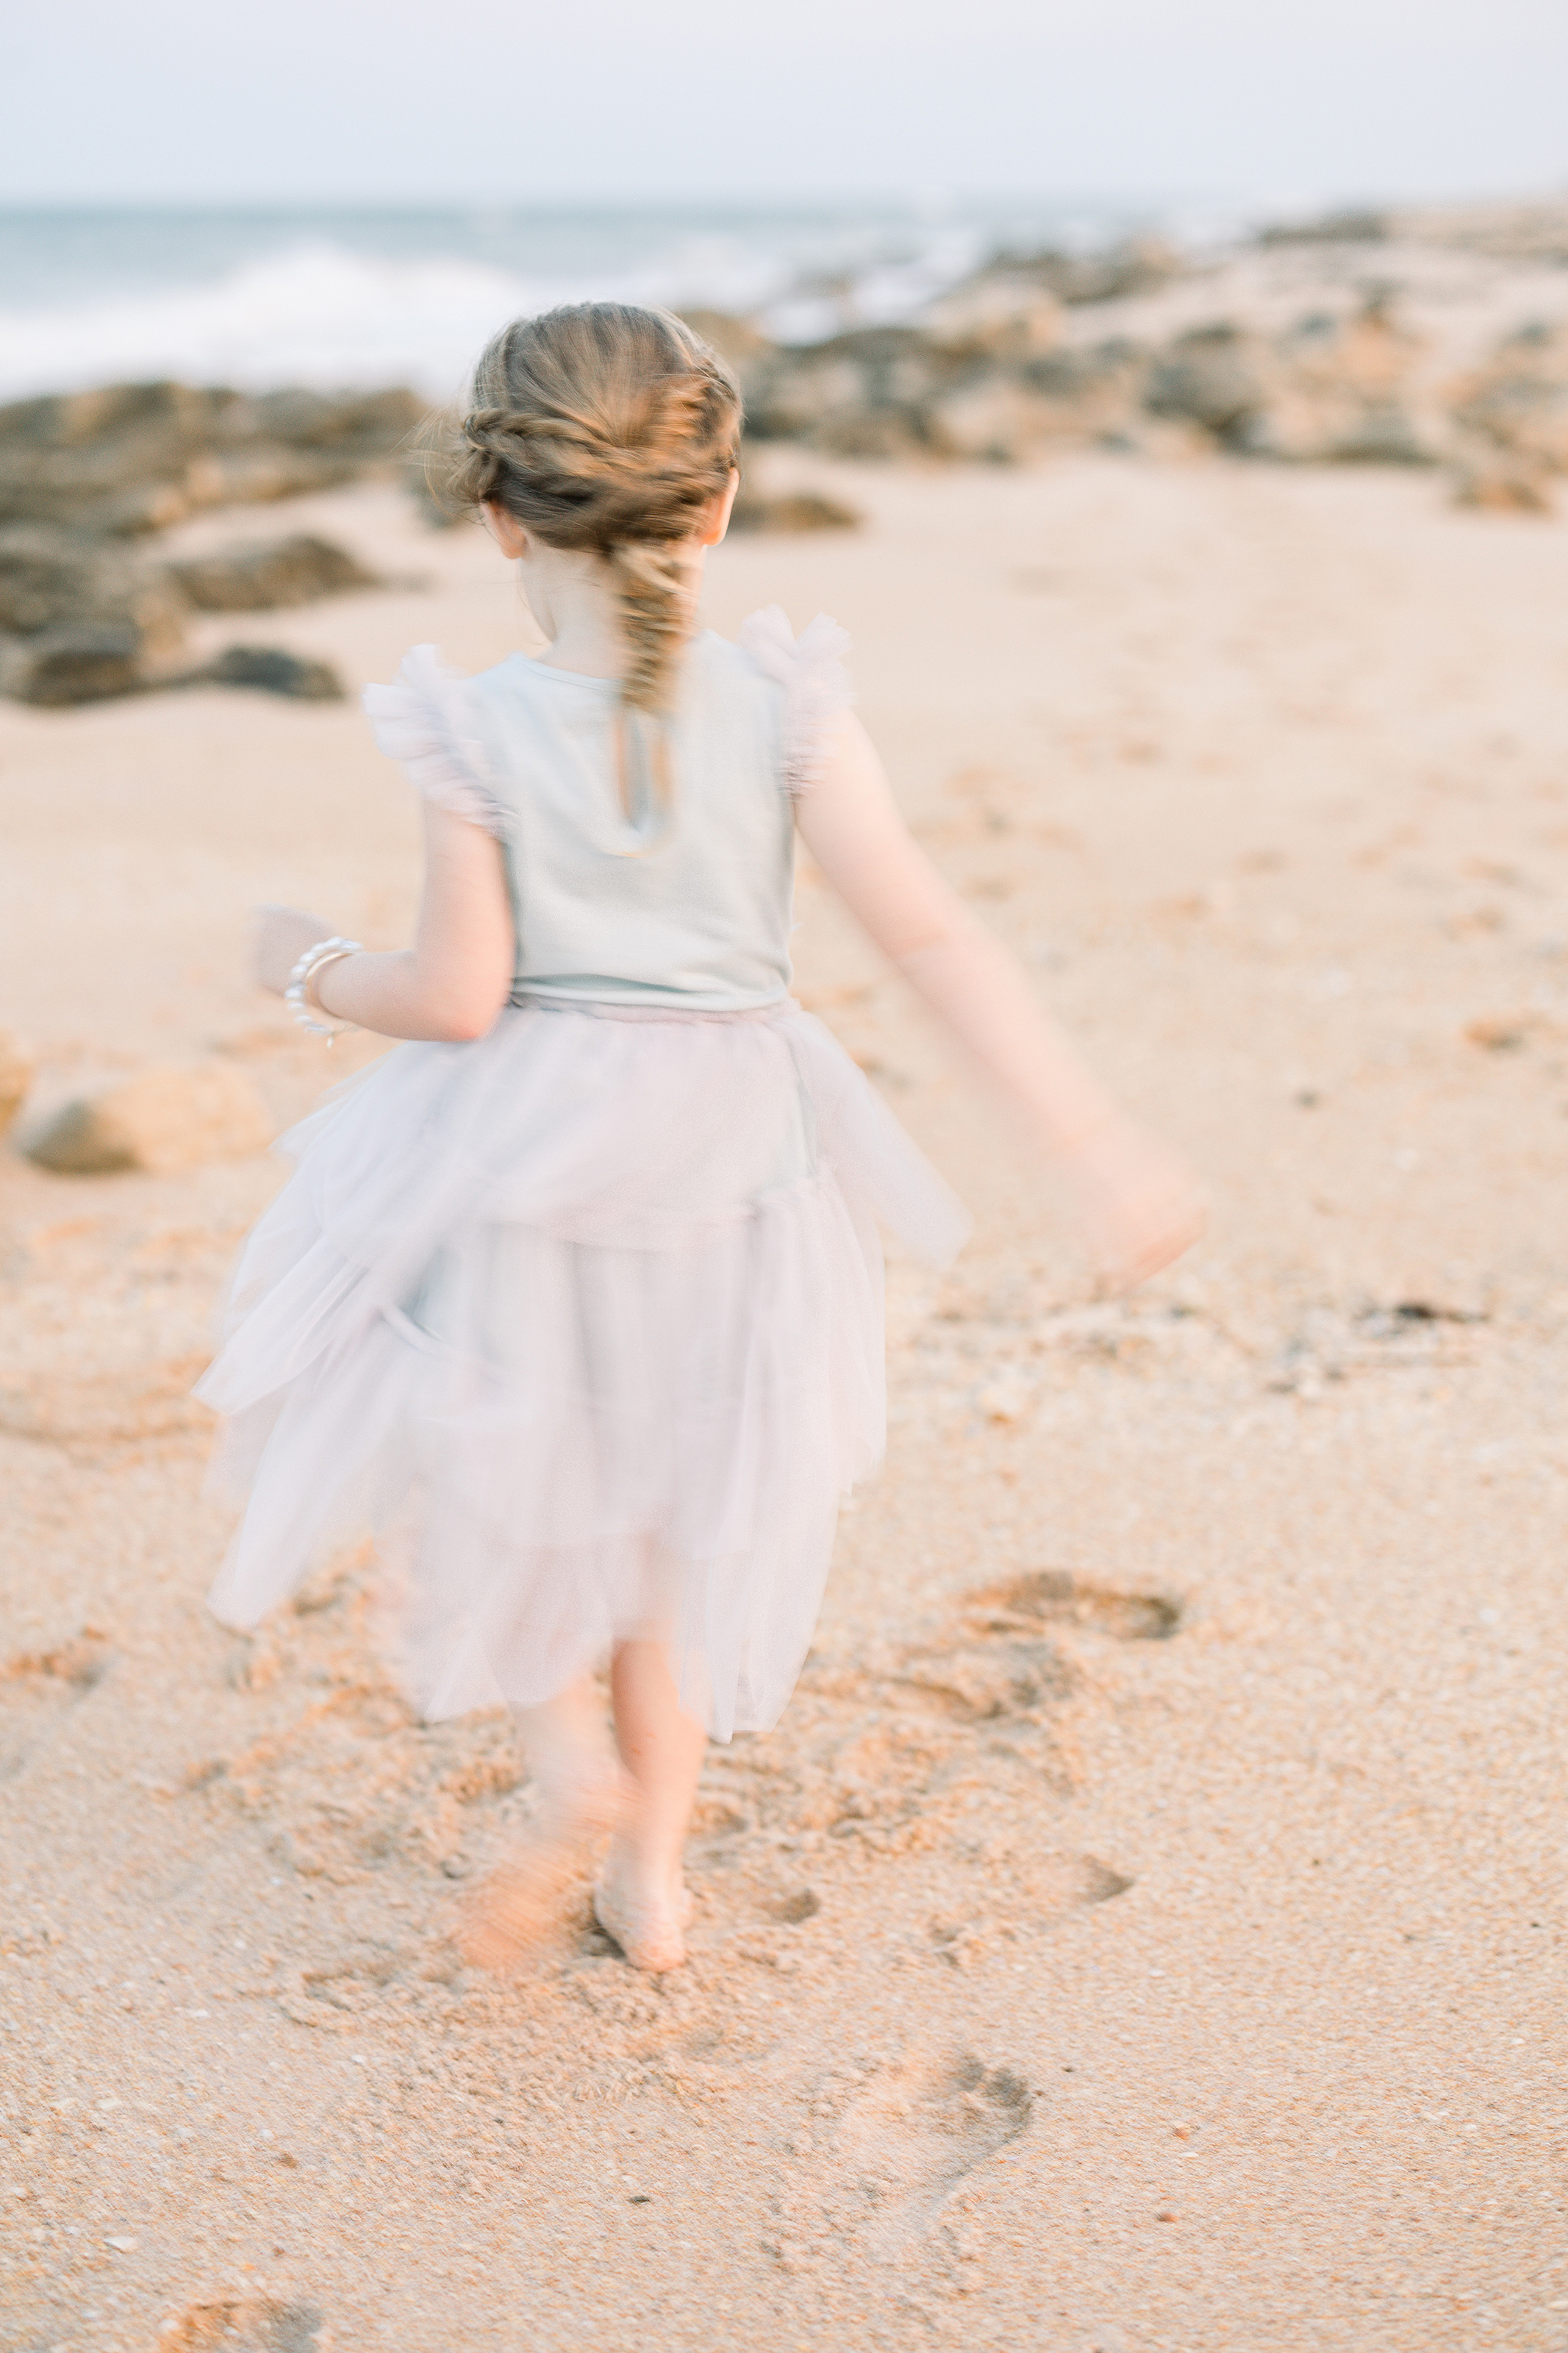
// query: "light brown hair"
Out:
[611,428]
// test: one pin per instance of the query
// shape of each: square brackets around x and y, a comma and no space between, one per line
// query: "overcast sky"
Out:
[322,98]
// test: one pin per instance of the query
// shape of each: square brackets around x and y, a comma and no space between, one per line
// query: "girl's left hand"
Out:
[279,939]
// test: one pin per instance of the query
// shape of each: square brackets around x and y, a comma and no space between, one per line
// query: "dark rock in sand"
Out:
[1380,435]
[49,579]
[258,576]
[1517,402]
[79,661]
[1140,266]
[273,671]
[132,458]
[791,511]
[1209,378]
[1500,484]
[1329,228]
[361,425]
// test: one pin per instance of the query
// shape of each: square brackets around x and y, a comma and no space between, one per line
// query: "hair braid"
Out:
[609,428]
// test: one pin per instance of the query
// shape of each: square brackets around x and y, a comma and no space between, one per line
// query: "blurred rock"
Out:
[736,340]
[791,511]
[79,662]
[51,579]
[16,1077]
[1140,266]
[131,458]
[163,1120]
[1500,484]
[271,669]
[1329,228]
[363,425]
[1519,401]
[258,576]
[1208,377]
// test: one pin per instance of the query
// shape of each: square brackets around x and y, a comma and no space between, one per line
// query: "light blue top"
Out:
[688,905]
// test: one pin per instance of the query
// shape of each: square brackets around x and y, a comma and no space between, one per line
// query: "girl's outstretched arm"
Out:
[452,983]
[1139,1203]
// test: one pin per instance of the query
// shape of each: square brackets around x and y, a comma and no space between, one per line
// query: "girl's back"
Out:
[631,882]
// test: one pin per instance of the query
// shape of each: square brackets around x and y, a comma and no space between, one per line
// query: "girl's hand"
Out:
[279,939]
[1141,1205]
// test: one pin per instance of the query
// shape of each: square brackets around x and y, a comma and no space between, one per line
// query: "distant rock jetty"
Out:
[1435,339]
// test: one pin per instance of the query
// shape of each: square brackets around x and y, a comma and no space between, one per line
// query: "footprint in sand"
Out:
[902,2148]
[254,2325]
[39,1687]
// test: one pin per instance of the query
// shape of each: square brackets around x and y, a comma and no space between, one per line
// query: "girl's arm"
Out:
[1139,1203]
[452,983]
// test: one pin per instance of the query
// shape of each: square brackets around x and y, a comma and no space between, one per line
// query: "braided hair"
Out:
[610,428]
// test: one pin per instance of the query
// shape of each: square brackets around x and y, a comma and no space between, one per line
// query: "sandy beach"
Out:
[1145,1930]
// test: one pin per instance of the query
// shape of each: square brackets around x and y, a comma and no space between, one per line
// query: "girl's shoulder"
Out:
[815,685]
[429,720]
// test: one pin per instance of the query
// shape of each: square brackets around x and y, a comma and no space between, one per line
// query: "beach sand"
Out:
[1145,1929]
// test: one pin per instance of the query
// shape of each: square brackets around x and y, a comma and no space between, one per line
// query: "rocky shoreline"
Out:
[1435,339]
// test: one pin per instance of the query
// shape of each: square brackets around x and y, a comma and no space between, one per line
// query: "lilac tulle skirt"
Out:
[583,1320]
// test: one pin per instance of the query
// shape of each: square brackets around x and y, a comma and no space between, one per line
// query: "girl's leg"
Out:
[641,1897]
[568,1754]
[569,1757]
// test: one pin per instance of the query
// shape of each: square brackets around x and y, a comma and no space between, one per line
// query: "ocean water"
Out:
[339,297]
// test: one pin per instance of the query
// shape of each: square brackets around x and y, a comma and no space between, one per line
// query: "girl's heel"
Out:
[648,1934]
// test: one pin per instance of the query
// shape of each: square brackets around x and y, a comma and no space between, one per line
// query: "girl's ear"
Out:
[505,530]
[717,522]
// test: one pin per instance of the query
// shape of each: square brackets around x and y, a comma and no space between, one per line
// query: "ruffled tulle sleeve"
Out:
[422,719]
[817,685]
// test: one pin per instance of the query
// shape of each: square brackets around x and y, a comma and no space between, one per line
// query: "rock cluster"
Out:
[1362,339]
[86,479]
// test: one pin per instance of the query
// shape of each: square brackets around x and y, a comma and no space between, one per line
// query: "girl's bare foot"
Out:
[648,1924]
[515,1905]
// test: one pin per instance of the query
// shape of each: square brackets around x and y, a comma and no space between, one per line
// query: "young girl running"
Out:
[577,1300]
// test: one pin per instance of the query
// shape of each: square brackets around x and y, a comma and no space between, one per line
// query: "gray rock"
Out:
[1500,483]
[791,511]
[258,576]
[1137,266]
[1382,436]
[163,1118]
[364,423]
[50,578]
[79,662]
[1353,228]
[272,670]
[131,458]
[1209,378]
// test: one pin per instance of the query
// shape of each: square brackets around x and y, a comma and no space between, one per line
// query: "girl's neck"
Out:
[573,600]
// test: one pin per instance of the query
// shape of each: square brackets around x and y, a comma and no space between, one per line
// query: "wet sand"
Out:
[1145,1929]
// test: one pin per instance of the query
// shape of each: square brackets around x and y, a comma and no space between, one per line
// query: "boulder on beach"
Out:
[133,458]
[791,511]
[163,1120]
[16,1077]
[79,662]
[1209,378]
[258,576]
[1499,483]
[50,577]
[272,668]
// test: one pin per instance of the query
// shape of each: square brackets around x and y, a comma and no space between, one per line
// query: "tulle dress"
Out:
[583,1319]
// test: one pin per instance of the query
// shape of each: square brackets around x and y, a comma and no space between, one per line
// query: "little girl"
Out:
[577,1300]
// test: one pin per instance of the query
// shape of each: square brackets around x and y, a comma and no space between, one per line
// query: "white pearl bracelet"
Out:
[298,997]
